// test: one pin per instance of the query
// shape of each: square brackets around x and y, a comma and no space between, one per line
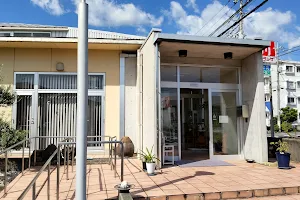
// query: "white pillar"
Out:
[82,100]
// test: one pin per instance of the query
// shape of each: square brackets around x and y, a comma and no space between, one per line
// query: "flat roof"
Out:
[160,37]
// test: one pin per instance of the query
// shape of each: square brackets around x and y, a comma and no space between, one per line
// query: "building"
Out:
[202,95]
[289,82]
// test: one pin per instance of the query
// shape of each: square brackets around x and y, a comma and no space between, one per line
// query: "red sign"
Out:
[269,53]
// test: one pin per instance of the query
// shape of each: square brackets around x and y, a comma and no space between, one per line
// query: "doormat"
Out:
[202,163]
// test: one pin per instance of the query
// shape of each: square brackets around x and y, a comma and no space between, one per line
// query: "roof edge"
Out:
[211,40]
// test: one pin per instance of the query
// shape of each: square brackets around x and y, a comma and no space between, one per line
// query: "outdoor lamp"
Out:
[60,66]
[182,53]
[228,55]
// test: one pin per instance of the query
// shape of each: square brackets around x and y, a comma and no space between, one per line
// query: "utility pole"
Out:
[82,100]
[278,87]
[271,109]
[241,25]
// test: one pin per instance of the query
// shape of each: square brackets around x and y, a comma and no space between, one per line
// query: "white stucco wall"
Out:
[149,132]
[131,105]
[254,131]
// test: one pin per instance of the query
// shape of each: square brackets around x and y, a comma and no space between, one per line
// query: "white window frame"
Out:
[289,84]
[10,33]
[289,102]
[288,71]
[31,33]
[34,92]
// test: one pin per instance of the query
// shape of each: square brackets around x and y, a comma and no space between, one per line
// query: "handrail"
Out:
[34,159]
[90,142]
[32,183]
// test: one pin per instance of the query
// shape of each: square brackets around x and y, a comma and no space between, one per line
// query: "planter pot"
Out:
[283,160]
[150,168]
[128,147]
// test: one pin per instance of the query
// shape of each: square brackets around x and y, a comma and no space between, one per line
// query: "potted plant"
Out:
[282,155]
[150,159]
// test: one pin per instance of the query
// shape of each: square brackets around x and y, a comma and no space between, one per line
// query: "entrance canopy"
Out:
[208,47]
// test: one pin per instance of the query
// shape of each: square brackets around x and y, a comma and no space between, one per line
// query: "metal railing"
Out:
[23,143]
[66,153]
[33,182]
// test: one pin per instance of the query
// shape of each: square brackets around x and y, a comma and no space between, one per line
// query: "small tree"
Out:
[8,135]
[288,116]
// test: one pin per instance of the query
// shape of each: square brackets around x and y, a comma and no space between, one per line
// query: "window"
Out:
[289,68]
[4,34]
[32,34]
[56,97]
[298,100]
[41,35]
[290,85]
[22,34]
[298,69]
[291,100]
[298,84]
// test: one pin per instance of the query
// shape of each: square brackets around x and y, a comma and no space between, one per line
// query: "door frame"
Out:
[33,115]
[210,87]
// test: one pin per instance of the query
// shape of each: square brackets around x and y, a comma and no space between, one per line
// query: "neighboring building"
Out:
[289,81]
[184,91]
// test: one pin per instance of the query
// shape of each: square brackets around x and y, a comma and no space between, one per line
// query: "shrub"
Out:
[10,136]
[286,127]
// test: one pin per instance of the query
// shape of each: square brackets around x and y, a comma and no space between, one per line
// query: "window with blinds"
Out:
[56,97]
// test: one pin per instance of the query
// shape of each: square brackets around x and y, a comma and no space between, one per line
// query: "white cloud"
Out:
[110,13]
[209,19]
[192,4]
[54,7]
[269,24]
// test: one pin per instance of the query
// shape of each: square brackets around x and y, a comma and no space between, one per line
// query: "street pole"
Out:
[271,109]
[278,88]
[82,100]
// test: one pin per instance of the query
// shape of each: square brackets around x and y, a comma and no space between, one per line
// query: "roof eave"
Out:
[160,37]
[34,28]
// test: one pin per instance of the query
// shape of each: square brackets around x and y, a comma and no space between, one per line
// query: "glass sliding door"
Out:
[169,119]
[224,123]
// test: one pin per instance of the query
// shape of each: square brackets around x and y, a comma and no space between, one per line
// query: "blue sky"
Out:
[276,20]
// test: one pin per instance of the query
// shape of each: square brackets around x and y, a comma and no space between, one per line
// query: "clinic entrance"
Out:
[199,119]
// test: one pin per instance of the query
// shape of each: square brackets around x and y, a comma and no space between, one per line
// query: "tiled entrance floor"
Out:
[227,182]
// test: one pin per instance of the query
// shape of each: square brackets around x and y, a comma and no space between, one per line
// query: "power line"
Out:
[289,52]
[212,17]
[223,15]
[231,17]
[257,7]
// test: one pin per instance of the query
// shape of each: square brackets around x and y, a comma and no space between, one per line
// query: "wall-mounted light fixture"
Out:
[60,66]
[228,55]
[182,53]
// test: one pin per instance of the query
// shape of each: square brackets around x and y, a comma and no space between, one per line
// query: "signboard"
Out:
[267,70]
[269,54]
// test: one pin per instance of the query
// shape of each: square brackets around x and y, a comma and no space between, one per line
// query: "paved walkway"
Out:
[241,180]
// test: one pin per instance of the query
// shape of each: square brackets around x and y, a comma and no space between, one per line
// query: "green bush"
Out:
[286,127]
[10,136]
